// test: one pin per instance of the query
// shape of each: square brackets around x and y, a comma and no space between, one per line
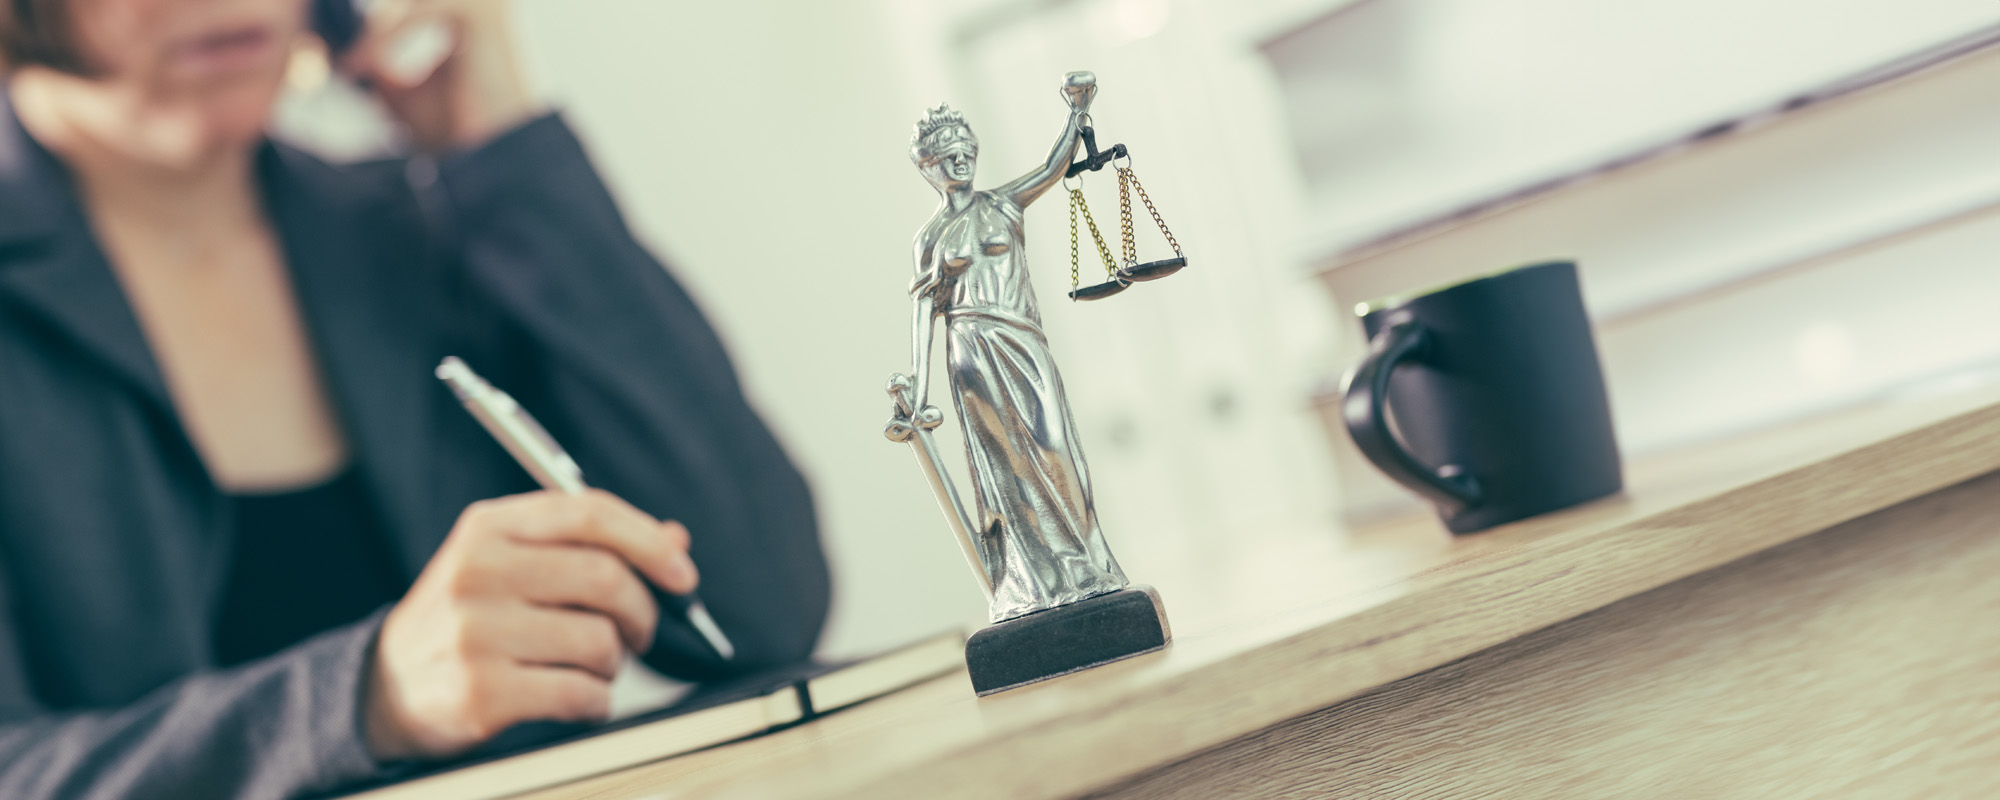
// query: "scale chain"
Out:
[1125,173]
[1128,247]
[1096,237]
[1075,279]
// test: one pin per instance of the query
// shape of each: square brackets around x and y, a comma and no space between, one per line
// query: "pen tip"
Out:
[704,624]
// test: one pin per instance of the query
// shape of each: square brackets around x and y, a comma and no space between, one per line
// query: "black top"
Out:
[115,544]
[305,561]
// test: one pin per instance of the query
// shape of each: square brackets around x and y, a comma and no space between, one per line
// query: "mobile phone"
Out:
[338,23]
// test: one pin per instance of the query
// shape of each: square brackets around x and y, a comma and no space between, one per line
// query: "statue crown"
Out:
[937,119]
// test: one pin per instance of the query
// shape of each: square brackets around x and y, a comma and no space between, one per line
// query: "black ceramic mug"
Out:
[1496,394]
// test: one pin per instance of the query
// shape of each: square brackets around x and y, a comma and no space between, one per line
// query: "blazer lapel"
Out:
[365,304]
[52,269]
[53,273]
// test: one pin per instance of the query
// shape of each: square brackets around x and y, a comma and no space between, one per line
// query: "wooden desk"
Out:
[1808,611]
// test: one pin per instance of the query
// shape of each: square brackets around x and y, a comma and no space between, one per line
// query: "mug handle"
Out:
[1364,408]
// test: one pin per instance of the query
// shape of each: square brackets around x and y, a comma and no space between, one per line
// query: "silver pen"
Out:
[539,454]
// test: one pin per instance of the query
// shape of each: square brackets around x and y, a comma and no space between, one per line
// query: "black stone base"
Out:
[1066,639]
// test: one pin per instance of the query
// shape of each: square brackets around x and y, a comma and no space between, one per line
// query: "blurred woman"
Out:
[248,547]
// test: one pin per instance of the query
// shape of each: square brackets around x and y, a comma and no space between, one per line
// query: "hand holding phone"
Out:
[447,68]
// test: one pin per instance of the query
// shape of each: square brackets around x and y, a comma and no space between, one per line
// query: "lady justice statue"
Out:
[1033,535]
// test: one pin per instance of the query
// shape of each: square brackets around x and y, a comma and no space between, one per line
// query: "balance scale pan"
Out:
[1100,291]
[1153,270]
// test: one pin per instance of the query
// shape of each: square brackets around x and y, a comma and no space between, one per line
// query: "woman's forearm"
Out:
[280,726]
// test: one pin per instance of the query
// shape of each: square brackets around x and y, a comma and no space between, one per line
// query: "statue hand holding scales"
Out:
[1058,599]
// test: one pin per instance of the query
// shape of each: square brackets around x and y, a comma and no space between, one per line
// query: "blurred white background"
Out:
[760,147]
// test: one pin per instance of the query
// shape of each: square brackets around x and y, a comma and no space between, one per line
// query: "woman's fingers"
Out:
[502,693]
[412,54]
[404,43]
[452,672]
[446,68]
[558,637]
[595,580]
[524,613]
[658,550]
[563,695]
[682,577]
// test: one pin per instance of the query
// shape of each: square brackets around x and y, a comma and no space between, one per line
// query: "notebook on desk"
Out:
[711,716]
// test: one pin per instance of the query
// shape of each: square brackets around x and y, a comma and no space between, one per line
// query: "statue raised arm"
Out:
[1079,88]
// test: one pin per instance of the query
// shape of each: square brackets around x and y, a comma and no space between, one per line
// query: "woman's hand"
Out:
[525,613]
[447,68]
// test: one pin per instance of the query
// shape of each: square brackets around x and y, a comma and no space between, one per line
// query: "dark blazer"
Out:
[114,540]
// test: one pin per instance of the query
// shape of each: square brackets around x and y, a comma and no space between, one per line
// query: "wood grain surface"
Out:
[1863,661]
[1275,624]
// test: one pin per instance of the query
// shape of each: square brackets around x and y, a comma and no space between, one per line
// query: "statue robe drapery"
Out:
[1036,525]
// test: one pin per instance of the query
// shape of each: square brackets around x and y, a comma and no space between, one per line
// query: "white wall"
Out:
[1407,108]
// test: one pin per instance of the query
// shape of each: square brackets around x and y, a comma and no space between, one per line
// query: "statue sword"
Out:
[907,428]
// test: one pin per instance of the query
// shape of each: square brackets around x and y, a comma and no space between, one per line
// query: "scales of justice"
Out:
[1058,601]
